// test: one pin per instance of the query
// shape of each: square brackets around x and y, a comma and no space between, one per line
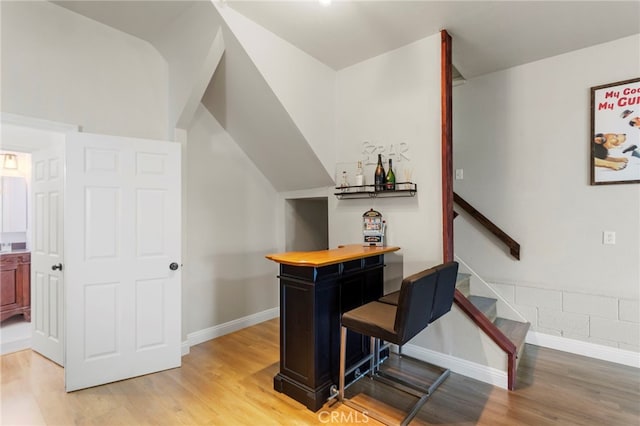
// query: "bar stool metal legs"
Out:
[375,373]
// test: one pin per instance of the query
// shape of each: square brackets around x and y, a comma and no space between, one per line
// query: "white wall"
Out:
[231,227]
[185,45]
[522,137]
[64,67]
[386,100]
[304,85]
[251,111]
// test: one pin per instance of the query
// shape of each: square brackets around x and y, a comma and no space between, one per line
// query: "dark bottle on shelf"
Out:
[391,178]
[378,178]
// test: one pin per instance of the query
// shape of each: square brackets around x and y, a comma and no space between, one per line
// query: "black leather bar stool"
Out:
[421,301]
[445,291]
[392,298]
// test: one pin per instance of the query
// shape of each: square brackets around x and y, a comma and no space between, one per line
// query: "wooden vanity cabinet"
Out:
[15,280]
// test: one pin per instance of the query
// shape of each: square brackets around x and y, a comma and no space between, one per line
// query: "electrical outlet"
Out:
[608,237]
[459,174]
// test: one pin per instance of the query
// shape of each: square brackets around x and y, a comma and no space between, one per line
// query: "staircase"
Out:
[509,334]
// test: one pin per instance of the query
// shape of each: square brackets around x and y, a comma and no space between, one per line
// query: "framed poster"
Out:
[615,133]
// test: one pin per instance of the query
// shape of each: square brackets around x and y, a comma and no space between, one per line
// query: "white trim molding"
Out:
[591,350]
[185,348]
[15,346]
[210,333]
[37,123]
[480,372]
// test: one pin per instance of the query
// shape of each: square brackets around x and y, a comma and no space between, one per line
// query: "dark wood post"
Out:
[447,146]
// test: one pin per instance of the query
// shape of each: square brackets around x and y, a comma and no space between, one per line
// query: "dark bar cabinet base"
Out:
[313,399]
[311,302]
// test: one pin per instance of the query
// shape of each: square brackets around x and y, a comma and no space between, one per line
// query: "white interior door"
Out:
[122,252]
[47,289]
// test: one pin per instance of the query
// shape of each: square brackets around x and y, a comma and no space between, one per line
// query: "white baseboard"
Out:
[185,348]
[480,372]
[228,327]
[15,346]
[192,338]
[578,347]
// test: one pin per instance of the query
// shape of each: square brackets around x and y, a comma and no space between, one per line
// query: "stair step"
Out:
[486,305]
[463,284]
[516,332]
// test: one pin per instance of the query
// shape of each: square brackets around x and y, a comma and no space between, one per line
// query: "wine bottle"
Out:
[391,178]
[379,175]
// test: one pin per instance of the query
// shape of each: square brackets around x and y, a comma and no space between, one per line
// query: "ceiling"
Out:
[487,35]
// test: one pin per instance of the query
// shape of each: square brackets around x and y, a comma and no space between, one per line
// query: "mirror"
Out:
[14,204]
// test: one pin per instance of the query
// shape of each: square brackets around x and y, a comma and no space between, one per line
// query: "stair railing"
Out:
[514,247]
[471,311]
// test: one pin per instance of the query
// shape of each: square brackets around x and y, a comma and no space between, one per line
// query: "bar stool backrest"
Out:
[447,277]
[415,304]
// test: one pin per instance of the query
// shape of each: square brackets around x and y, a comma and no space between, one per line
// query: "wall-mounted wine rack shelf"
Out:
[403,189]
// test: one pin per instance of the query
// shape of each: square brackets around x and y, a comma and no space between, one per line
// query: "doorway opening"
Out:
[27,138]
[307,224]
[15,305]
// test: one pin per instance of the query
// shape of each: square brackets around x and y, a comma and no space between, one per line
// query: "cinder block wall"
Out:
[591,318]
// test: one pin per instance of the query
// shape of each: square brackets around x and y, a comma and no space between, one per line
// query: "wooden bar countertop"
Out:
[329,257]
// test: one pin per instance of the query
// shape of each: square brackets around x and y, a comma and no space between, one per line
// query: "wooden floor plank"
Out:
[229,381]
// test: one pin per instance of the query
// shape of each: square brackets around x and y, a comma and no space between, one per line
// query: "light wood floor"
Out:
[229,381]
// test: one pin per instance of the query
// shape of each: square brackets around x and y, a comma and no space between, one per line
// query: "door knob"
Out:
[174,266]
[58,267]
